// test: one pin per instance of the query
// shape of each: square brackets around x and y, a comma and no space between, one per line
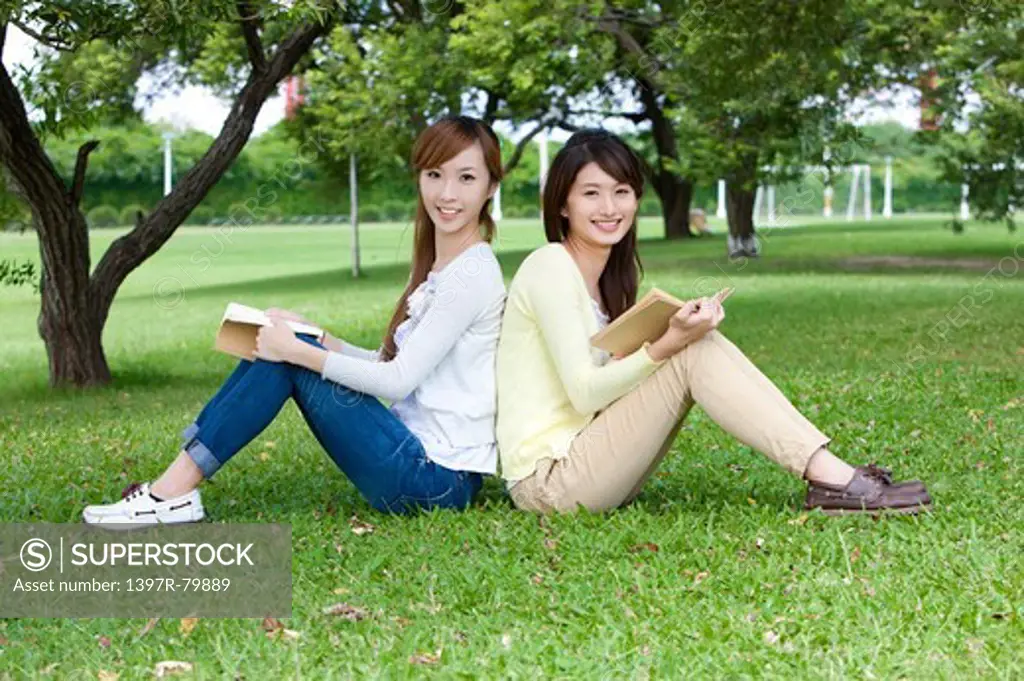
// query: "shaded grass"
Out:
[714,572]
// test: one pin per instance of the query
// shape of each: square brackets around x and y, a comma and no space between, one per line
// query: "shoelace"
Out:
[875,471]
[131,490]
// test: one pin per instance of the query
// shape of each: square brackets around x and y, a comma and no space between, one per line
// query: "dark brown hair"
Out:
[435,146]
[621,276]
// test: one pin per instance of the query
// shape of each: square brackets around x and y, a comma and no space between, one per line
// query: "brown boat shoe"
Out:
[871,490]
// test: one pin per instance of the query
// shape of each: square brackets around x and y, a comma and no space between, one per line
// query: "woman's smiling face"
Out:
[599,208]
[455,192]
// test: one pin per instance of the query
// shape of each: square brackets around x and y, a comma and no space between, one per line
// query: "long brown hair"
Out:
[435,146]
[621,276]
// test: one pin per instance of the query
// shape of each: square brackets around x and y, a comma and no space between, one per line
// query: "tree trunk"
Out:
[675,194]
[72,336]
[740,194]
[674,191]
[67,321]
[739,201]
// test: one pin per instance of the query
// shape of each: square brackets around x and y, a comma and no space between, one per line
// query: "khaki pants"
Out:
[610,460]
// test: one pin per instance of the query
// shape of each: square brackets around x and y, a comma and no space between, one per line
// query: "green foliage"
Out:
[977,57]
[103,216]
[14,214]
[397,210]
[200,215]
[19,273]
[370,213]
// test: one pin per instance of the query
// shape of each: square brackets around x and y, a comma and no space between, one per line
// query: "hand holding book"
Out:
[664,319]
[241,325]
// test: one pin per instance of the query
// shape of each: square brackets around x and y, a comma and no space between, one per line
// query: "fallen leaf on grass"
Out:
[149,626]
[171,667]
[104,641]
[701,576]
[187,625]
[349,612]
[646,546]
[771,638]
[359,528]
[271,624]
[425,658]
[104,675]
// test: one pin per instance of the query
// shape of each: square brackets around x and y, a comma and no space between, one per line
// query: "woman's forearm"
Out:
[308,356]
[331,343]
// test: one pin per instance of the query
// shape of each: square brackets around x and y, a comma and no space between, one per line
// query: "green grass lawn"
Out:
[914,361]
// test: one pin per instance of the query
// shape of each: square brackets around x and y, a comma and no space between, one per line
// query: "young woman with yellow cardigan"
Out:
[578,428]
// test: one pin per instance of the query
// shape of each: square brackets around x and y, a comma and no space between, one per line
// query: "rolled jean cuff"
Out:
[203,458]
[189,433]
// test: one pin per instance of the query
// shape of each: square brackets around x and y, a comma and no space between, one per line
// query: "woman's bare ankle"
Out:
[181,477]
[826,468]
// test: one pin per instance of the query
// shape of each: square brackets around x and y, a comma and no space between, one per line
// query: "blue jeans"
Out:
[379,454]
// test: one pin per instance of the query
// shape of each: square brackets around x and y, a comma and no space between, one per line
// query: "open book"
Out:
[647,320]
[241,323]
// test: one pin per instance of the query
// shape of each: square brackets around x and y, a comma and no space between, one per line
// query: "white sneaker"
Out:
[139,509]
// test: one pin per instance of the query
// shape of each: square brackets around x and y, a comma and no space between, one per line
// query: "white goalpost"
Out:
[860,170]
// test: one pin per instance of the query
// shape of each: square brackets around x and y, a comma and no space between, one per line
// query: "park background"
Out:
[900,337]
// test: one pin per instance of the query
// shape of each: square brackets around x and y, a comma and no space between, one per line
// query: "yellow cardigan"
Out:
[550,380]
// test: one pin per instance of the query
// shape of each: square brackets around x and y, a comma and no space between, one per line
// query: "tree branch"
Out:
[491,107]
[40,38]
[517,154]
[78,184]
[625,17]
[250,20]
[627,42]
[632,116]
[129,251]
